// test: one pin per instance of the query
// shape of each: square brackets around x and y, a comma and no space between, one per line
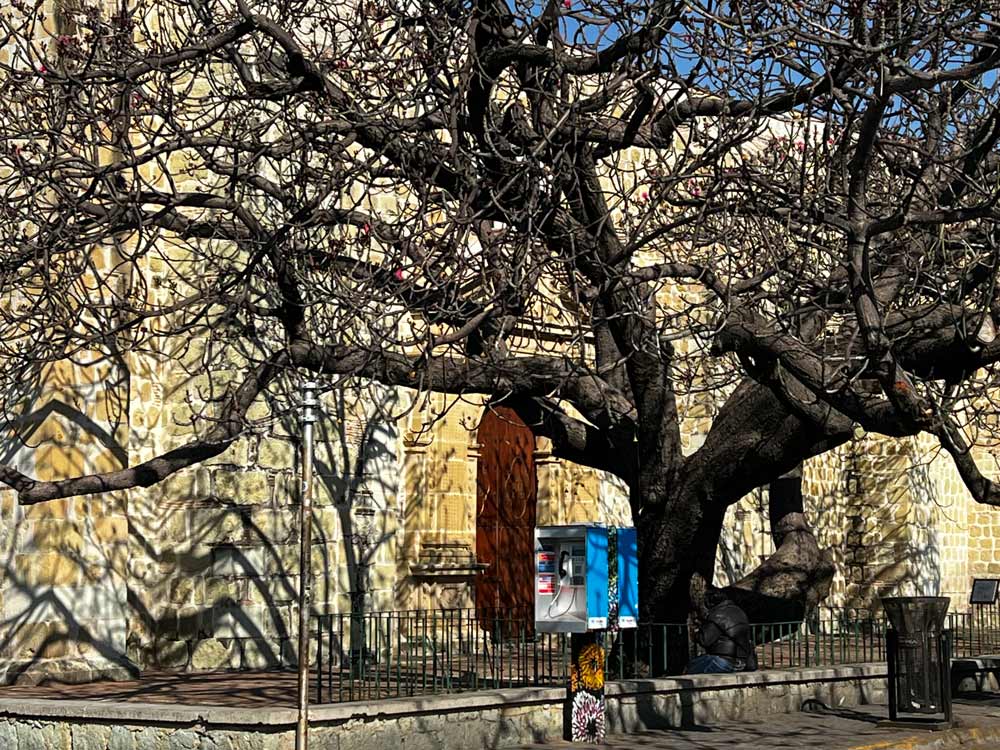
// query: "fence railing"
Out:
[376,655]
[424,652]
[976,632]
[827,637]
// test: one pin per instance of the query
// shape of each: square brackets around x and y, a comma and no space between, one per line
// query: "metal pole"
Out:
[891,652]
[309,404]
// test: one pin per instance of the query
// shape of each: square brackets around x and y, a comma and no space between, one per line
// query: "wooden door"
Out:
[505,516]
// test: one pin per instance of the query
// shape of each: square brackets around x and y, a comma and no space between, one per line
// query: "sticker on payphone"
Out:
[546,584]
[547,561]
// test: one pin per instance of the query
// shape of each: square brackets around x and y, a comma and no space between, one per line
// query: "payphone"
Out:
[571,578]
[627,554]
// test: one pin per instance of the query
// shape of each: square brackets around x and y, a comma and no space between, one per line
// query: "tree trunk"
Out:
[754,441]
[797,575]
[672,547]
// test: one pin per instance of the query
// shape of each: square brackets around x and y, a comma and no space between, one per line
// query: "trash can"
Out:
[918,649]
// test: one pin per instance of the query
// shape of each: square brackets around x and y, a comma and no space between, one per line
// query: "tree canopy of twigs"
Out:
[594,211]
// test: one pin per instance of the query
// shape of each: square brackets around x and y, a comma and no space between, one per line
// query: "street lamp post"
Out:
[309,404]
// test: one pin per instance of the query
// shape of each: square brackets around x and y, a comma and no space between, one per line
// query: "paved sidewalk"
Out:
[250,689]
[834,729]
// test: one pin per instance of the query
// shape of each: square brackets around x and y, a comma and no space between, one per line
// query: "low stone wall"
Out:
[636,705]
[485,719]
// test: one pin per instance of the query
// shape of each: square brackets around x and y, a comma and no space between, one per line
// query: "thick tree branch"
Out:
[515,376]
[982,489]
[575,440]
[228,427]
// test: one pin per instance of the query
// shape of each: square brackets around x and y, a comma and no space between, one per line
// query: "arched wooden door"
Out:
[505,515]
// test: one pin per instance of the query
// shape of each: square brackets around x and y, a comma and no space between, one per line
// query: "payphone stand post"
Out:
[572,594]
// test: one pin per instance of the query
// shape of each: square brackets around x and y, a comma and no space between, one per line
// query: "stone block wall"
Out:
[439,505]
[63,599]
[201,571]
[895,515]
[214,549]
[63,562]
[436,563]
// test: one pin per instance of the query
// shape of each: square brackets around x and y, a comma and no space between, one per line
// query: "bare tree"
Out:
[598,213]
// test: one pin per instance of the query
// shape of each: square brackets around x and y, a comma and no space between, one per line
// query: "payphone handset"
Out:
[572,564]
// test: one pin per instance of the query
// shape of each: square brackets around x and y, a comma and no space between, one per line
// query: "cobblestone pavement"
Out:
[836,729]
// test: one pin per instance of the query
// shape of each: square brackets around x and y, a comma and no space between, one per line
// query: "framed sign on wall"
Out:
[984,590]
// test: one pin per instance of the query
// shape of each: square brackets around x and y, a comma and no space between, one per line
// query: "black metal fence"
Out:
[424,652]
[976,632]
[829,636]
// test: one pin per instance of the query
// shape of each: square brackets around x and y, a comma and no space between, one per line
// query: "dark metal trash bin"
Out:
[918,649]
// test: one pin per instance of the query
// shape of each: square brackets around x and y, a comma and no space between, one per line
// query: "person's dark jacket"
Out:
[726,632]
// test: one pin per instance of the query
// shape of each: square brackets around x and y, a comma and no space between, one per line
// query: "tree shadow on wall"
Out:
[357,472]
[63,588]
[248,554]
[242,558]
[905,558]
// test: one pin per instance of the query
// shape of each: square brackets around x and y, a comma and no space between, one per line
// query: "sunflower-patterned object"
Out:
[585,705]
[591,666]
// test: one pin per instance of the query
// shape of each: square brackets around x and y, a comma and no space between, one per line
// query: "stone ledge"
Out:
[161,713]
[437,704]
[873,670]
[989,661]
[133,712]
[975,674]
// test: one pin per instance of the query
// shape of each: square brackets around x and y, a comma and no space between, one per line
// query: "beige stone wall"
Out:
[214,551]
[62,589]
[200,571]
[895,515]
[209,556]
[436,565]
[62,580]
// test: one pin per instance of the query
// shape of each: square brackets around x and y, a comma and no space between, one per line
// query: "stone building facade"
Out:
[200,571]
[895,515]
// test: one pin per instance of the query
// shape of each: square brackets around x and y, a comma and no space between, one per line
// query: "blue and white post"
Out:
[581,574]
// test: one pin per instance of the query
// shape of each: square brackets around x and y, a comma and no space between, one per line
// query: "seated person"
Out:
[724,633]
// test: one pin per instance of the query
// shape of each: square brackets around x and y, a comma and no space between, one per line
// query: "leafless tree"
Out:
[598,212]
